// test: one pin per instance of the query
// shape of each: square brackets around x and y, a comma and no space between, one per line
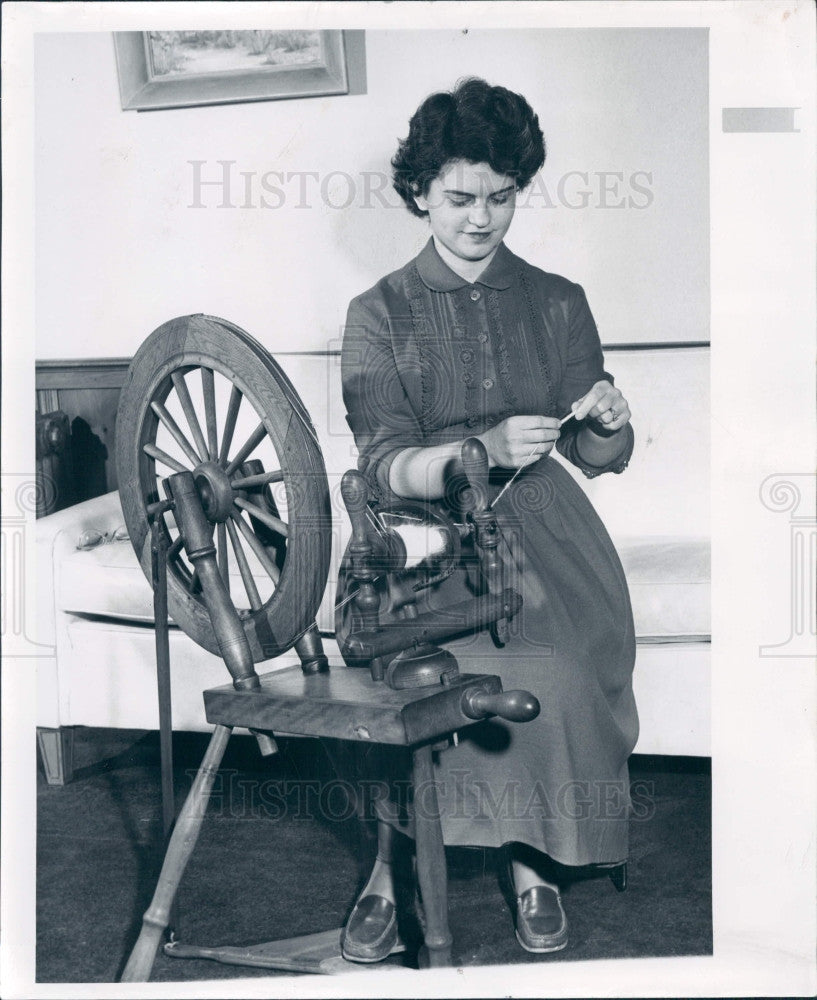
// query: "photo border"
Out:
[763,419]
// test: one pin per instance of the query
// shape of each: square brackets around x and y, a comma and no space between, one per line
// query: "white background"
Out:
[762,327]
[119,249]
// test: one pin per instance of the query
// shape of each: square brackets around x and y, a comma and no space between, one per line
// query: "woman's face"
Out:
[470,208]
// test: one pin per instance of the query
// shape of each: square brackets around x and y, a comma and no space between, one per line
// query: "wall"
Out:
[120,249]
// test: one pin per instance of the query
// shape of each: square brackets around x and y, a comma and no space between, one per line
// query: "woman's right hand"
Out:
[520,440]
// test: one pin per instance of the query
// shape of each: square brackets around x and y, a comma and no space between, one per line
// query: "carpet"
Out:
[282,853]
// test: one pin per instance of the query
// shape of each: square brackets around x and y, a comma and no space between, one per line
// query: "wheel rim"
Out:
[204,396]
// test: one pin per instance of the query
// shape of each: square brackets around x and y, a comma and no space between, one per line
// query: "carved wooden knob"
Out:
[515,706]
[355,493]
[52,433]
[475,462]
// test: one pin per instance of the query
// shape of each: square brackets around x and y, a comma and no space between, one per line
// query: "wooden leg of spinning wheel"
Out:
[158,547]
[185,835]
[431,868]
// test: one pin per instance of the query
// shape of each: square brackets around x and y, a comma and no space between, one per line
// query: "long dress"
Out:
[430,358]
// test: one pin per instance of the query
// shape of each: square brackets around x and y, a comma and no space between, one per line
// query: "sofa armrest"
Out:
[103,513]
[56,535]
[61,533]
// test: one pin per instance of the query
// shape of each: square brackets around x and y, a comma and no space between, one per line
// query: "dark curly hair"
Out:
[474,122]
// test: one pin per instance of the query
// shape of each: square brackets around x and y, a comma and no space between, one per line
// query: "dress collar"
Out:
[439,277]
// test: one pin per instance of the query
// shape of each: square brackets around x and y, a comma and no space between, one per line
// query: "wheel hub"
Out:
[215,491]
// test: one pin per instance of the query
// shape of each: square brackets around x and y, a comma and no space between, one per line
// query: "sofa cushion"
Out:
[106,581]
[668,578]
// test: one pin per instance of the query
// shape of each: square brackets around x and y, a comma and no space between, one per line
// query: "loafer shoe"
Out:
[541,922]
[371,930]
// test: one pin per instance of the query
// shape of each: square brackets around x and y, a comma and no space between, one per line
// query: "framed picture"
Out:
[182,69]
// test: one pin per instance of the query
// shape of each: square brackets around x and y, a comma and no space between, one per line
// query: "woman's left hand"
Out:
[605,404]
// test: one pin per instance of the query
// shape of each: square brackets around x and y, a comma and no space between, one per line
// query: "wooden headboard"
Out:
[87,392]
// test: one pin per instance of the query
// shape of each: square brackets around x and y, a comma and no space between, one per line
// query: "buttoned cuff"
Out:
[618,464]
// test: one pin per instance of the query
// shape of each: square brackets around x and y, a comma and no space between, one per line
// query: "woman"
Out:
[469,340]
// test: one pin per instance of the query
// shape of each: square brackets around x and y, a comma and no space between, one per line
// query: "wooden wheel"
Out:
[202,395]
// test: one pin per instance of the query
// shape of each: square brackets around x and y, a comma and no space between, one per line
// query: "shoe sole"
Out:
[397,948]
[359,960]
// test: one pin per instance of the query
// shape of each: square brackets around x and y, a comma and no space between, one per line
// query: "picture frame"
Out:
[184,69]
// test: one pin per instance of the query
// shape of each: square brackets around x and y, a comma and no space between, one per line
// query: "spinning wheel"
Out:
[225,497]
[203,396]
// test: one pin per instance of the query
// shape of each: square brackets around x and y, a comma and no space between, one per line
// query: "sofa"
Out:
[95,610]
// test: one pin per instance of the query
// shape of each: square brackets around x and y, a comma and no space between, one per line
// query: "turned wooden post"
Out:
[159,547]
[355,495]
[197,536]
[432,872]
[487,534]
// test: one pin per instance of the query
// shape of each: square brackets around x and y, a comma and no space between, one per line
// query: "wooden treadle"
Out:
[315,953]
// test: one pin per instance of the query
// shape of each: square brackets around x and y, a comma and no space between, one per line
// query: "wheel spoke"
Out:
[164,458]
[209,392]
[249,445]
[176,432]
[271,569]
[262,479]
[244,568]
[229,424]
[174,548]
[190,413]
[263,515]
[223,555]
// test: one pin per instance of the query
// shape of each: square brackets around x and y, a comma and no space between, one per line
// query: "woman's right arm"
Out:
[379,411]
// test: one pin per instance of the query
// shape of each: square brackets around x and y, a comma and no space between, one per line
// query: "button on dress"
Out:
[430,358]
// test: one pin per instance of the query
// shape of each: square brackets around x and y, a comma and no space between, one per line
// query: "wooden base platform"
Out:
[346,704]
